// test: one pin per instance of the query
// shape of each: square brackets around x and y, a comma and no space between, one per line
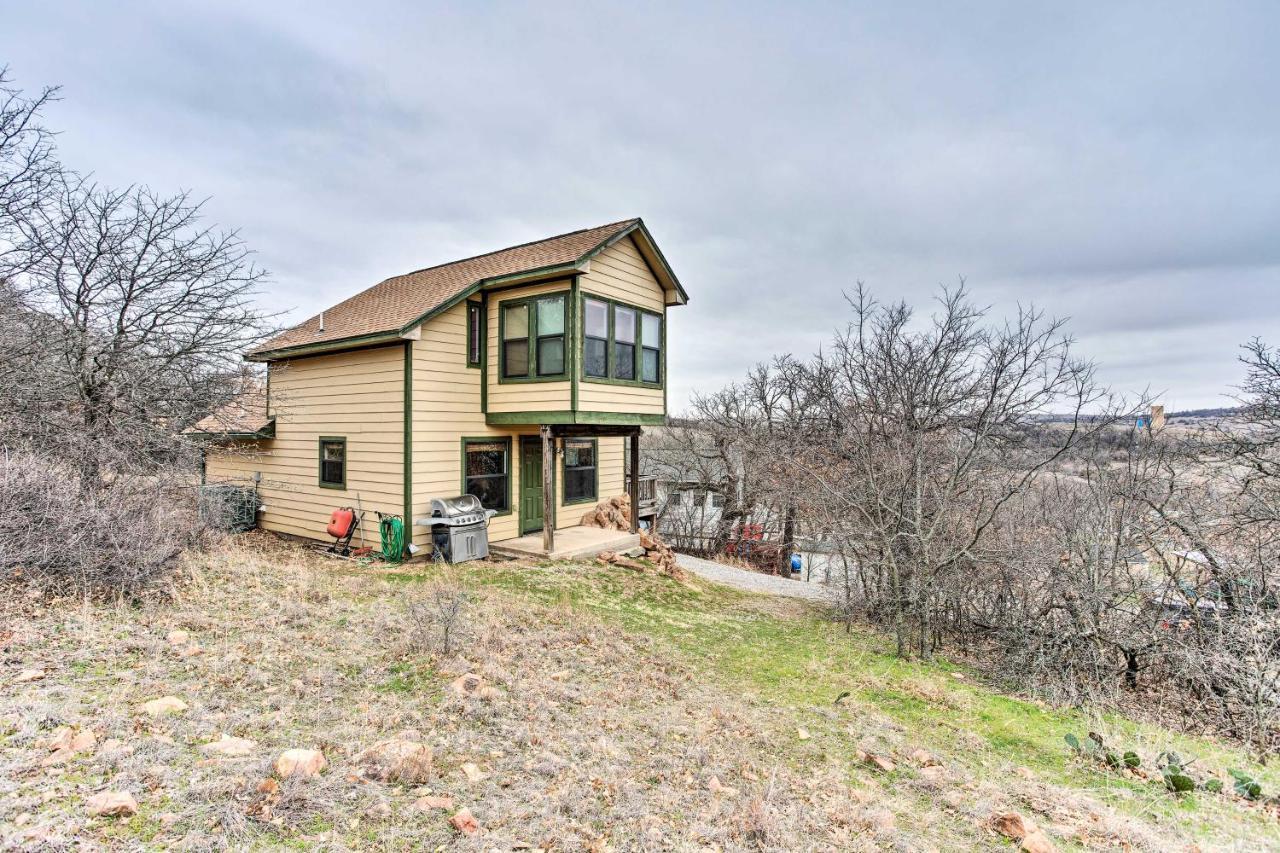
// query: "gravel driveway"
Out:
[750,581]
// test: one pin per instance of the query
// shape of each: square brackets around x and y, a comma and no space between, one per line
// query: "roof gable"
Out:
[393,306]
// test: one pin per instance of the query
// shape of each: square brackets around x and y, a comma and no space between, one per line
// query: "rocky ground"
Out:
[280,698]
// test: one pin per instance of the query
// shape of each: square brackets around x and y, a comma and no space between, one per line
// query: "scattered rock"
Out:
[178,637]
[802,733]
[715,786]
[430,803]
[1024,830]
[230,747]
[880,762]
[472,772]
[466,685]
[190,651]
[65,742]
[268,786]
[1037,842]
[923,758]
[397,760]
[29,675]
[112,804]
[380,810]
[299,762]
[164,705]
[562,675]
[465,822]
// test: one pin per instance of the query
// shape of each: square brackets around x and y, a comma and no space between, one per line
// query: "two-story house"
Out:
[522,376]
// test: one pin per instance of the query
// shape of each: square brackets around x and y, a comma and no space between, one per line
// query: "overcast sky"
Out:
[1118,163]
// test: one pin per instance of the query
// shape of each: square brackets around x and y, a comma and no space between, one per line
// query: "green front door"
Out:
[530,484]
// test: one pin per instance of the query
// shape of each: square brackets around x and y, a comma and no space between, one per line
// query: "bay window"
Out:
[621,343]
[650,348]
[595,341]
[624,342]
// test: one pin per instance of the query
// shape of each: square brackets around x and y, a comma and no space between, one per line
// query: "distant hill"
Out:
[1226,412]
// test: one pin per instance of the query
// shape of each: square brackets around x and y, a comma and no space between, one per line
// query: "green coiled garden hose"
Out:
[392,529]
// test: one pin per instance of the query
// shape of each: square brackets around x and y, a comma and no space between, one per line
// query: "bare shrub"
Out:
[62,539]
[438,618]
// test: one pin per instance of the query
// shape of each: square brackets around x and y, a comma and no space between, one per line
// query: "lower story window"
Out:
[486,472]
[579,470]
[333,462]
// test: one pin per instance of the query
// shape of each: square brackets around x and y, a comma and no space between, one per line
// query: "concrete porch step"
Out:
[570,543]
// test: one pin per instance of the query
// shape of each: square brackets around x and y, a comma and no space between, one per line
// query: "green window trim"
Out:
[340,440]
[638,347]
[595,470]
[489,439]
[475,333]
[533,340]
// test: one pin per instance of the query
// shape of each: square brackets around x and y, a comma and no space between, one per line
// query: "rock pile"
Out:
[613,514]
[655,550]
[661,555]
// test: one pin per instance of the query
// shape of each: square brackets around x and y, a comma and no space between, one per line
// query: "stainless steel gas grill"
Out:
[459,528]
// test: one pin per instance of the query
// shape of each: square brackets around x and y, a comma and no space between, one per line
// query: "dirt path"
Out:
[751,581]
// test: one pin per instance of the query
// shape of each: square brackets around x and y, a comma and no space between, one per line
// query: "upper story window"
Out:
[533,338]
[475,333]
[651,348]
[624,343]
[621,342]
[595,341]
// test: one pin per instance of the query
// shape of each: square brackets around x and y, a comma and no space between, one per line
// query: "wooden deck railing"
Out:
[648,493]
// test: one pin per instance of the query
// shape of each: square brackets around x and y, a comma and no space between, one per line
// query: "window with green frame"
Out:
[333,462]
[475,333]
[486,471]
[580,481]
[621,342]
[533,337]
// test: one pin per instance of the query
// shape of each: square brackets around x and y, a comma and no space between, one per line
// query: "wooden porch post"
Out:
[548,490]
[633,488]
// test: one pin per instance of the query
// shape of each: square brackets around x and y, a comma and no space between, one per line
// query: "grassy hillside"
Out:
[619,711]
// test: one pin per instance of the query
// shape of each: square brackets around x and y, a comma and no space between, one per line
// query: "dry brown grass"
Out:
[597,739]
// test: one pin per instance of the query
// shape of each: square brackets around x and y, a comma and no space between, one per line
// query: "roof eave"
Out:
[322,347]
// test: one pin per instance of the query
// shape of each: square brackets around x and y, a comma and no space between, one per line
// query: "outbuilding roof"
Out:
[395,305]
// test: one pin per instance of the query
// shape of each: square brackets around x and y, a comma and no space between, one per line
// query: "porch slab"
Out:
[571,543]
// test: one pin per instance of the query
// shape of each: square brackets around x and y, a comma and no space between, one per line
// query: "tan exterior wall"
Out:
[522,396]
[620,273]
[446,409]
[358,395]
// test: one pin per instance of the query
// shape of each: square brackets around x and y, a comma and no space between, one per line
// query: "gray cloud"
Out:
[1113,163]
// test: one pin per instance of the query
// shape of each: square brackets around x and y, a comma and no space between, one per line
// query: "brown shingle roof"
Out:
[397,302]
[245,414]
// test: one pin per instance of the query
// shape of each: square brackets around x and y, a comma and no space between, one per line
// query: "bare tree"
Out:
[28,167]
[143,314]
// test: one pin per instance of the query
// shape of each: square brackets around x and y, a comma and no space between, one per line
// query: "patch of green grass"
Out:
[408,677]
[799,659]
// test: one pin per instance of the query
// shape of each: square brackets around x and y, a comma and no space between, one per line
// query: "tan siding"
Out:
[446,408]
[620,273]
[522,396]
[612,481]
[359,395]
